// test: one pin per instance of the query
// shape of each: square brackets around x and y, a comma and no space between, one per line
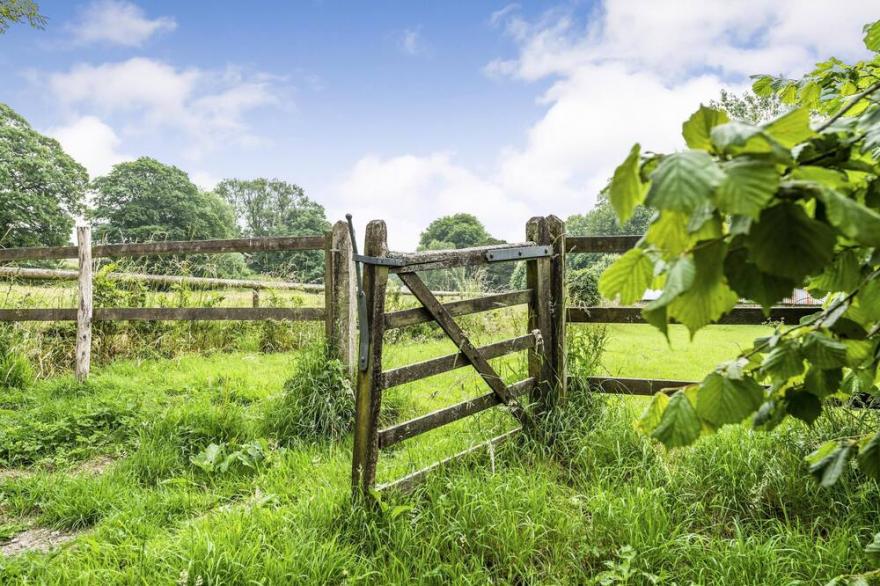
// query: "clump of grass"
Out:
[15,369]
[317,402]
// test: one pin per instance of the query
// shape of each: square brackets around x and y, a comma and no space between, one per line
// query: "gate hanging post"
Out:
[538,277]
[557,350]
[368,400]
[83,356]
[340,297]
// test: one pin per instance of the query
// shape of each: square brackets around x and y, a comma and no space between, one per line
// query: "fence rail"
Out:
[737,316]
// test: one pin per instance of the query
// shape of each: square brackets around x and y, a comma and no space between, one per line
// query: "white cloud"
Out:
[91,142]
[410,42]
[631,70]
[208,107]
[118,22]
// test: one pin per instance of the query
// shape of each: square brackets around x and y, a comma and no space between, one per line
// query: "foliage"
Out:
[583,287]
[221,458]
[602,221]
[270,207]
[749,107]
[754,211]
[462,231]
[41,187]
[15,11]
[15,369]
[144,200]
[317,401]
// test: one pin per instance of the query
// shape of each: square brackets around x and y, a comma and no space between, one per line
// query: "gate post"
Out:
[558,302]
[538,277]
[83,356]
[340,297]
[368,401]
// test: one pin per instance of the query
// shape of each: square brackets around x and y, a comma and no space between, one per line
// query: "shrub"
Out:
[583,287]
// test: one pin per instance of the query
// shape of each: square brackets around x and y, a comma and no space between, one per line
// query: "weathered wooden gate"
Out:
[545,340]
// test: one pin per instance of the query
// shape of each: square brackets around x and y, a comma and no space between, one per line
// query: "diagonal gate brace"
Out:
[457,335]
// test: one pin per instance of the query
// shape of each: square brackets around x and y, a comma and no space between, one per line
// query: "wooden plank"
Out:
[420,370]
[446,259]
[419,315]
[181,247]
[557,350]
[412,480]
[600,244]
[83,355]
[169,314]
[368,400]
[455,333]
[737,316]
[419,425]
[634,386]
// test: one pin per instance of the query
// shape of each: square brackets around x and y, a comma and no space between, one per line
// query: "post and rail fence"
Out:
[544,250]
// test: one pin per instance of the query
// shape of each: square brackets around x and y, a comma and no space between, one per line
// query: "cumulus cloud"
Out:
[627,71]
[209,107]
[91,142]
[118,22]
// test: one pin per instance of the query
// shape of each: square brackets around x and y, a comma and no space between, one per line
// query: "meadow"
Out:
[212,468]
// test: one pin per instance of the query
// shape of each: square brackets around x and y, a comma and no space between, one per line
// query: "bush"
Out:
[583,288]
[317,401]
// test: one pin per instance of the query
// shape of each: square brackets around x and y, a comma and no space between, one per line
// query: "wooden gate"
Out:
[544,340]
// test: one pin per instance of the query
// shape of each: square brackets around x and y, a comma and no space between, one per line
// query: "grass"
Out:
[604,505]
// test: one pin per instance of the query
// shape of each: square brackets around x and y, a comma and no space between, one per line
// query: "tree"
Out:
[15,11]
[269,207]
[749,107]
[753,211]
[601,221]
[462,231]
[145,200]
[41,187]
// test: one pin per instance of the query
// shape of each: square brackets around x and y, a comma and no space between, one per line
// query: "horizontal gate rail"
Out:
[738,315]
[420,315]
[170,314]
[600,244]
[169,247]
[419,425]
[420,370]
[412,480]
[446,259]
[634,386]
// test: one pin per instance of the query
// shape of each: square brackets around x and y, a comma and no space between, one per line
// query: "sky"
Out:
[404,111]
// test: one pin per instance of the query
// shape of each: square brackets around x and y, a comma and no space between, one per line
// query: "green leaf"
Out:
[823,383]
[763,85]
[786,242]
[740,138]
[697,130]
[843,274]
[873,551]
[653,413]
[783,362]
[628,278]
[791,128]
[683,181]
[751,283]
[872,36]
[869,456]
[824,352]
[869,300]
[828,462]
[805,406]
[669,233]
[748,186]
[722,400]
[856,221]
[679,424]
[627,191]
[679,278]
[709,297]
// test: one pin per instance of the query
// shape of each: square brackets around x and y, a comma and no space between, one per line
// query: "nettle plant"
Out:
[754,212]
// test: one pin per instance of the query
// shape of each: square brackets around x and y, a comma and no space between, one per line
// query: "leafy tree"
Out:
[144,200]
[462,231]
[269,207]
[753,211]
[41,187]
[602,221]
[15,11]
[749,107]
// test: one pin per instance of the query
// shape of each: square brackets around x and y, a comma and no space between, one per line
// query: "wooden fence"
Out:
[337,314]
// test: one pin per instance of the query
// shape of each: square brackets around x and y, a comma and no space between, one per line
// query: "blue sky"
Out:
[403,110]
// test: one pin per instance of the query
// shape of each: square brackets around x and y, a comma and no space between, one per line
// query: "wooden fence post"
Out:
[368,401]
[341,297]
[84,311]
[558,301]
[255,298]
[538,277]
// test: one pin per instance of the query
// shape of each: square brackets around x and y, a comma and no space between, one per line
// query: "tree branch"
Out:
[855,100]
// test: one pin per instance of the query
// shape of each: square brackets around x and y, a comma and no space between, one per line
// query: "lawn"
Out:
[117,469]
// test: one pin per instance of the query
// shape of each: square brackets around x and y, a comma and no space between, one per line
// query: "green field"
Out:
[109,467]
